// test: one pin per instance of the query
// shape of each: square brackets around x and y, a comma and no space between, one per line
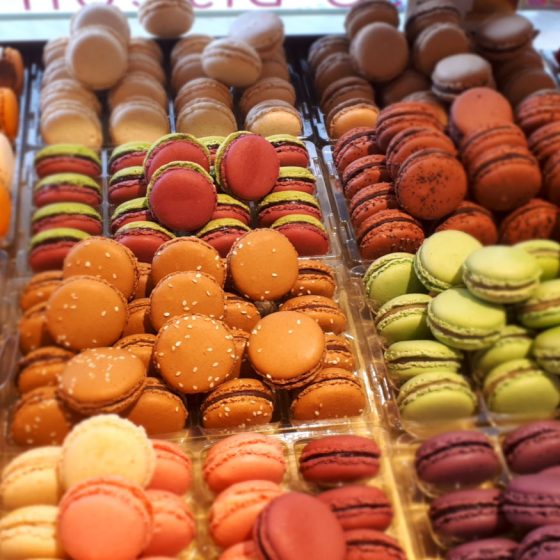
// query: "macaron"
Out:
[290,150]
[67,215]
[460,320]
[135,210]
[222,234]
[473,219]
[67,158]
[182,196]
[48,248]
[247,166]
[295,179]
[67,187]
[535,220]
[131,154]
[229,207]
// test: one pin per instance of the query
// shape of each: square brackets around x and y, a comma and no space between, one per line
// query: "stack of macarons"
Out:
[108,470]
[466,325]
[66,199]
[460,473]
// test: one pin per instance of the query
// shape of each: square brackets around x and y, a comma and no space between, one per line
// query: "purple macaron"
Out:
[467,514]
[533,447]
[485,549]
[457,458]
[532,500]
[541,544]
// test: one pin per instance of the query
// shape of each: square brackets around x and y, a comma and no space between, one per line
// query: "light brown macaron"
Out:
[206,117]
[102,380]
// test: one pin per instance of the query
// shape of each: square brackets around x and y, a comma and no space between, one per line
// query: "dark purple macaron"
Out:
[467,514]
[368,544]
[533,447]
[296,525]
[463,458]
[532,500]
[359,507]
[486,549]
[540,544]
[335,459]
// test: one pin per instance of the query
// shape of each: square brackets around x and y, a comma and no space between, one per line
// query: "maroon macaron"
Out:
[247,166]
[175,147]
[389,231]
[363,172]
[474,220]
[353,145]
[370,200]
[538,219]
[126,184]
[182,196]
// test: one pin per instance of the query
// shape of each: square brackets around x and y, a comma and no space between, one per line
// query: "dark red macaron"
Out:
[370,200]
[47,249]
[67,158]
[143,238]
[223,233]
[306,233]
[334,459]
[230,207]
[182,196]
[431,184]
[175,147]
[364,544]
[135,210]
[353,145]
[295,179]
[126,184]
[473,219]
[247,166]
[277,205]
[359,507]
[291,151]
[538,219]
[67,215]
[362,172]
[131,154]
[389,231]
[67,187]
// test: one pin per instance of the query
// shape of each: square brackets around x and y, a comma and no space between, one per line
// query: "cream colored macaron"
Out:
[139,119]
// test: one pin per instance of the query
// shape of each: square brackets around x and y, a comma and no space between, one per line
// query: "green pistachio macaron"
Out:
[409,358]
[436,396]
[390,276]
[542,310]
[521,387]
[460,320]
[439,261]
[546,350]
[404,318]
[514,343]
[501,274]
[547,253]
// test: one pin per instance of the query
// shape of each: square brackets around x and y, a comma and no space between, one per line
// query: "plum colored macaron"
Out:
[67,187]
[306,233]
[67,158]
[143,238]
[67,215]
[48,248]
[247,165]
[182,196]
[223,233]
[130,154]
[126,184]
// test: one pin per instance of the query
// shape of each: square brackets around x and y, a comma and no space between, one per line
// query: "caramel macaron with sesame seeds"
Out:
[102,380]
[194,353]
[158,409]
[188,253]
[240,313]
[287,349]
[86,312]
[179,293]
[106,259]
[263,265]
[238,403]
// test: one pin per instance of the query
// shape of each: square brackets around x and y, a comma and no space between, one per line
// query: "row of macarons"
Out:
[470,287]
[246,472]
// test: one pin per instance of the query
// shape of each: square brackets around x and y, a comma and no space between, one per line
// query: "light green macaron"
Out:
[521,387]
[409,358]
[404,318]
[547,254]
[501,274]
[542,310]
[390,276]
[437,395]
[546,350]
[460,320]
[439,261]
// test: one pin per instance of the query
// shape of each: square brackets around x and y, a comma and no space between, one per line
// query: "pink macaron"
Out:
[106,517]
[173,470]
[174,525]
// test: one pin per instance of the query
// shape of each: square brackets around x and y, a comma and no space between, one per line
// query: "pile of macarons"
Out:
[459,315]
[490,496]
[172,338]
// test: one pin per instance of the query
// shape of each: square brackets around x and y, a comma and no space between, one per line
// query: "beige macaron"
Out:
[101,14]
[71,122]
[166,18]
[192,43]
[203,87]
[96,57]
[188,68]
[137,84]
[206,117]
[139,119]
[263,90]
[233,62]
[274,116]
[146,46]
[141,62]
[70,89]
